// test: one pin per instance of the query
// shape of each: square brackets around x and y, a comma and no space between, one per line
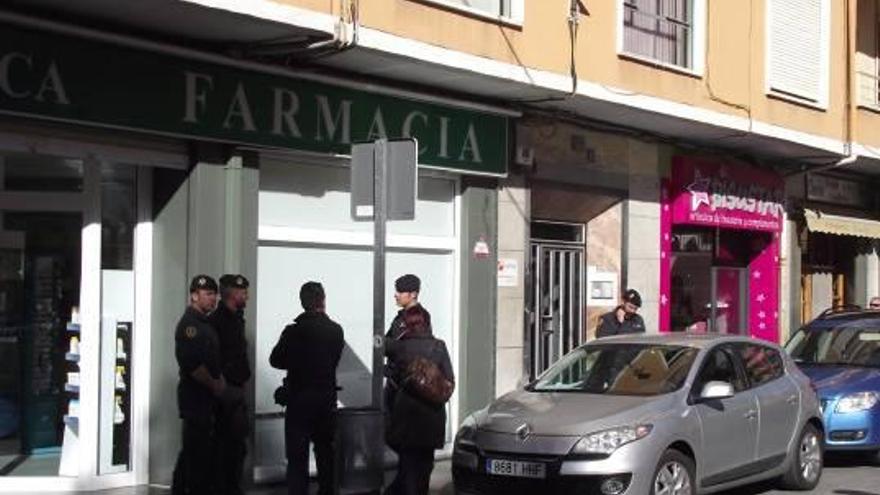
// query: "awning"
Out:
[839,225]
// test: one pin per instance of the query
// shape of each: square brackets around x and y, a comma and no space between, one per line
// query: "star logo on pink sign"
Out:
[699,190]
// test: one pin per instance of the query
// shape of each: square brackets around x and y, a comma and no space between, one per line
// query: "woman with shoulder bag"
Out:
[420,383]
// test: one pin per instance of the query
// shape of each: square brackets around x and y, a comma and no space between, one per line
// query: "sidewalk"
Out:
[441,484]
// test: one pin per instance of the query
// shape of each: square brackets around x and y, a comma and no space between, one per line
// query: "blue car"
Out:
[840,353]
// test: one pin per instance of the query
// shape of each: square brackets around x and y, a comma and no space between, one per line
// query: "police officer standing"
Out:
[624,318]
[201,384]
[232,422]
[310,349]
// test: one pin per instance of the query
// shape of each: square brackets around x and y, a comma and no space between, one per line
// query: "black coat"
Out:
[196,345]
[310,349]
[233,346]
[609,325]
[412,422]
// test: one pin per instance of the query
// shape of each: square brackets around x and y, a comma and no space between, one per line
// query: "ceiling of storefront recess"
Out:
[168,18]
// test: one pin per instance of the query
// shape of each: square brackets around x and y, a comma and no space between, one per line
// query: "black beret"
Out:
[202,282]
[232,281]
[633,296]
[407,283]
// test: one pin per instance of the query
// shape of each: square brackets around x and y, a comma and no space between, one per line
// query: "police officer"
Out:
[624,319]
[310,349]
[200,386]
[232,426]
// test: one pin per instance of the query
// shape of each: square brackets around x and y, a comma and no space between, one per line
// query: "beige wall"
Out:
[733,82]
[867,122]
[513,241]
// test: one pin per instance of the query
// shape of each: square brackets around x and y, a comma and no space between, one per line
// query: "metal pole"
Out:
[380,214]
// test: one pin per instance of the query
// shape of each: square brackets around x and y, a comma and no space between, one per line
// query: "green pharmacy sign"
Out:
[74,80]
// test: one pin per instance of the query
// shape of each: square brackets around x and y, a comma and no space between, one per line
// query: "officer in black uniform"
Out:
[201,384]
[624,319]
[406,295]
[232,422]
[310,349]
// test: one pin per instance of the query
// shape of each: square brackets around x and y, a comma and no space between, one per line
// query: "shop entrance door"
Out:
[68,230]
[729,300]
[557,312]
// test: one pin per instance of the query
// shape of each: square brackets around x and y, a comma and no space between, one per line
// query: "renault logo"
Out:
[523,432]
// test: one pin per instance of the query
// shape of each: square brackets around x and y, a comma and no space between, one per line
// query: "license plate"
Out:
[502,467]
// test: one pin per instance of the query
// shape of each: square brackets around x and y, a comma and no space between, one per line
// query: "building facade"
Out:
[718,157]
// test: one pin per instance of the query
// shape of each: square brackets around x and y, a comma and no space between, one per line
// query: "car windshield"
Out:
[619,369]
[844,346]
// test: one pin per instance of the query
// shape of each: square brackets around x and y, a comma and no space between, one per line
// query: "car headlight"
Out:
[467,431]
[859,401]
[607,441]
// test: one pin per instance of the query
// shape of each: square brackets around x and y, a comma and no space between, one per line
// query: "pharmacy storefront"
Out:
[125,168]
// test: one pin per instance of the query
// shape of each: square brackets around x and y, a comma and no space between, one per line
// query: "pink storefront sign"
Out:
[731,196]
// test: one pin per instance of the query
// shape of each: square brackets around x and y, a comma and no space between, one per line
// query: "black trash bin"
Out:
[360,450]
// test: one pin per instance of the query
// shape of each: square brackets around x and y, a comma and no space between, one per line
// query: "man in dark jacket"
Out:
[201,384]
[623,319]
[310,349]
[228,321]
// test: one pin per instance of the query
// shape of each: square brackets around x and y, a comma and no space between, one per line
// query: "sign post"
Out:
[380,203]
[383,187]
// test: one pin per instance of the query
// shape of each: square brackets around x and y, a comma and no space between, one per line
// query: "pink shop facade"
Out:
[720,230]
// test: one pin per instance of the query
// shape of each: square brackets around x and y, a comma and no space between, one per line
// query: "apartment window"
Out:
[503,9]
[868,53]
[798,51]
[660,30]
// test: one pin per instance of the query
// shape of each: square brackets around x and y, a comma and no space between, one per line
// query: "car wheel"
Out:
[674,475]
[805,465]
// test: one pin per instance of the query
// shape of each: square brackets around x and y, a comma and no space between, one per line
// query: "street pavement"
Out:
[843,475]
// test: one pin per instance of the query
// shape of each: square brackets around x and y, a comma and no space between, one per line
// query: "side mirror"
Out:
[716,390]
[523,382]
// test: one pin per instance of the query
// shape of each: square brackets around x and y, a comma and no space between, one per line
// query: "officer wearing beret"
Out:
[232,423]
[624,319]
[201,384]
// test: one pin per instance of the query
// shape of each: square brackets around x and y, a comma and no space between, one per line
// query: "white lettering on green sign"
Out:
[333,118]
[49,77]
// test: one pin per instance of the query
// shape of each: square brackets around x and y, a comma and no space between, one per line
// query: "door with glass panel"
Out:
[41,220]
[729,308]
[58,217]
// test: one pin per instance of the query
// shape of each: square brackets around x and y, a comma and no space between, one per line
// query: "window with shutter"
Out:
[798,35]
[660,30]
[868,53]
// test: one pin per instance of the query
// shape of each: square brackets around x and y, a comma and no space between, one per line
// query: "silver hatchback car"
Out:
[675,414]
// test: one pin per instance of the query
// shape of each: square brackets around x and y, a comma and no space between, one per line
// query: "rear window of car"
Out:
[619,369]
[762,364]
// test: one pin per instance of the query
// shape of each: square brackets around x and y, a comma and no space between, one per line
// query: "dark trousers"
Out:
[414,468]
[301,427]
[192,473]
[231,448]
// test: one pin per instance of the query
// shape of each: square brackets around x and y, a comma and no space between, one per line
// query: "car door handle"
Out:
[792,400]
[751,414]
